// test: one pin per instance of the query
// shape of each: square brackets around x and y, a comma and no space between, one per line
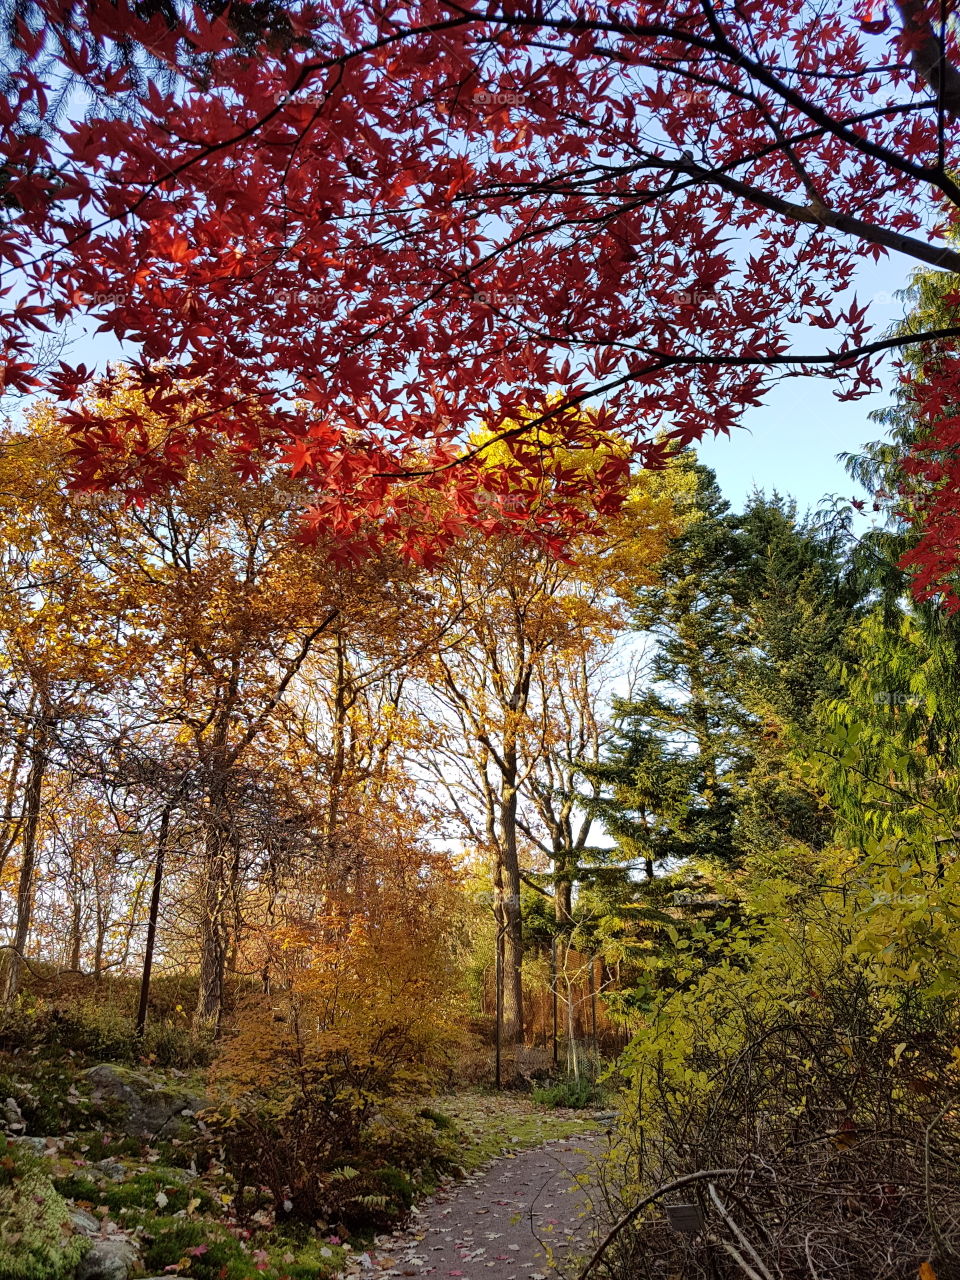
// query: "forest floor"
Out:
[160,1205]
[522,1213]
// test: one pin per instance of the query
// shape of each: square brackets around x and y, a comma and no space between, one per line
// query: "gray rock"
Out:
[13,1120]
[39,1145]
[112,1170]
[146,1107]
[84,1222]
[111,1259]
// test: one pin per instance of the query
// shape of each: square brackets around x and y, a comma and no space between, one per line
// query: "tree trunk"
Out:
[101,940]
[562,891]
[214,941]
[215,903]
[152,921]
[13,963]
[76,926]
[507,906]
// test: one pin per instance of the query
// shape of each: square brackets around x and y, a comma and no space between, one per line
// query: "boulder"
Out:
[84,1223]
[144,1106]
[37,1145]
[13,1120]
[113,1258]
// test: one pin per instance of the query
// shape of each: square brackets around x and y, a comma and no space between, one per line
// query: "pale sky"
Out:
[790,443]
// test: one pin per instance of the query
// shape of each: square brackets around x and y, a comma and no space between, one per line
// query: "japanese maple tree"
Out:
[361,230]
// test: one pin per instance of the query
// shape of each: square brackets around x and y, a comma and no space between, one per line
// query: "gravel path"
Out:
[524,1217]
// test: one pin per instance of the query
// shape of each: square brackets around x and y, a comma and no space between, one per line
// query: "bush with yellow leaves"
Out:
[795,1092]
[317,1077]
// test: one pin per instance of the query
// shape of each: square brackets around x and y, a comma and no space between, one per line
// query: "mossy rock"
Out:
[36,1234]
[141,1104]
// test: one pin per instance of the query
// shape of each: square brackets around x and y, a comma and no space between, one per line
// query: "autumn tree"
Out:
[230,605]
[62,652]
[517,677]
[361,228]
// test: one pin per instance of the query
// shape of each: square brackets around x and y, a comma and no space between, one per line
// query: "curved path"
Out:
[524,1217]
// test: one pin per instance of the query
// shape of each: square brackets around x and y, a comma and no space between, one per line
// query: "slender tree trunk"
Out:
[216,895]
[555,995]
[13,963]
[507,889]
[214,934]
[152,921]
[76,921]
[101,939]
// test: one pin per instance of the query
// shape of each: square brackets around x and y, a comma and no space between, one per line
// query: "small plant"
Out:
[568,1092]
[209,1250]
[138,1192]
[437,1118]
[171,1044]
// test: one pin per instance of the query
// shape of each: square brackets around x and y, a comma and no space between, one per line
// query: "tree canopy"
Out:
[363,230]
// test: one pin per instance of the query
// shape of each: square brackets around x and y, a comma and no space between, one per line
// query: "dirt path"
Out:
[519,1219]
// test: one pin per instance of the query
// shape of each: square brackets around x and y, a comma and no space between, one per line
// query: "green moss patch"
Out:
[36,1237]
[495,1124]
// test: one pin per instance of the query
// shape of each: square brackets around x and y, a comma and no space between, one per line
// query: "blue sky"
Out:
[790,443]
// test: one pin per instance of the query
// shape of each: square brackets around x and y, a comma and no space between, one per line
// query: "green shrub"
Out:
[397,1185]
[173,1044]
[34,1221]
[568,1092]
[78,1187]
[95,1144]
[100,1028]
[437,1118]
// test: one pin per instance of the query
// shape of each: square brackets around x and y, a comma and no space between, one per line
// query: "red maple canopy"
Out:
[348,235]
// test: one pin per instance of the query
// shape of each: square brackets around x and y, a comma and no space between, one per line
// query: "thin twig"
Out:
[728,1219]
[637,1209]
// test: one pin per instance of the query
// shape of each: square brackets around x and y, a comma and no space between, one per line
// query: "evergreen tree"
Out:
[749,620]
